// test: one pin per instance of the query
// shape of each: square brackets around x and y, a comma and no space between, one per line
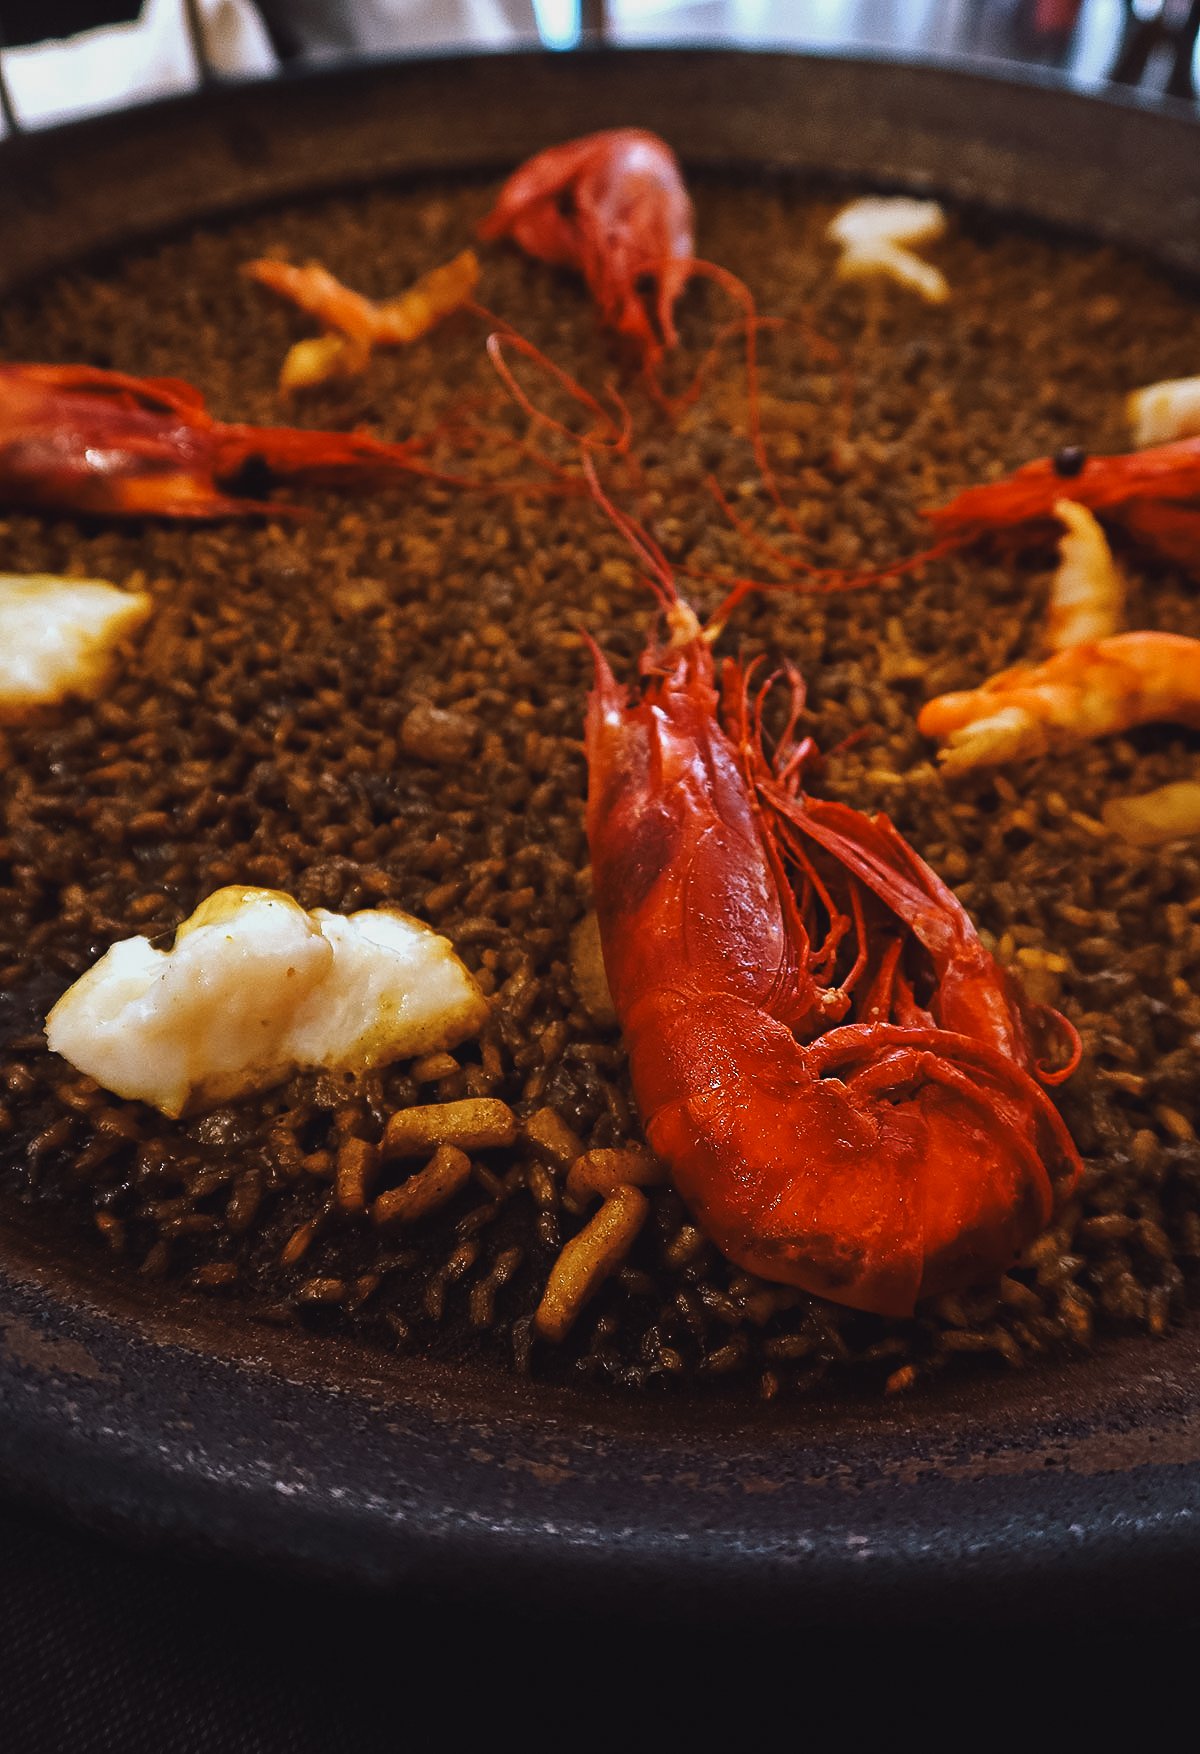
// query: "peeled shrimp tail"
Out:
[1087,691]
[314,290]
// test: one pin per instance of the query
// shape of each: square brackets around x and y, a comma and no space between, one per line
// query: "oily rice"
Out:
[383,703]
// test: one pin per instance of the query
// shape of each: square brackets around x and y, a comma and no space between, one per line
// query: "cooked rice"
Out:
[384,703]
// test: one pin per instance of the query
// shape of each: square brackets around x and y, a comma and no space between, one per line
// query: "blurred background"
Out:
[61,58]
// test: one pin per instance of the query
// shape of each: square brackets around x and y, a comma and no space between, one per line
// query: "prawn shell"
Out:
[80,439]
[1147,491]
[612,205]
[872,1163]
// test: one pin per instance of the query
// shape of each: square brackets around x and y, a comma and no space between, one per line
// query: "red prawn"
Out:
[1154,494]
[79,439]
[614,206]
[841,1080]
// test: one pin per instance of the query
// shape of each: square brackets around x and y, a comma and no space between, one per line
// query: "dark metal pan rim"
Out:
[36,1266]
[275,1447]
[350,69]
[181,1424]
[238,144]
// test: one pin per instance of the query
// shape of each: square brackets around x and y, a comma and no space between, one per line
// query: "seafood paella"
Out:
[601,777]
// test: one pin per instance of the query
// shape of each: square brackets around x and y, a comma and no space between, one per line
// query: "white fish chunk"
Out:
[255,988]
[398,990]
[877,233]
[57,637]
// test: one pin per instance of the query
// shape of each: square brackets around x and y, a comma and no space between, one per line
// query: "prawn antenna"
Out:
[611,432]
[749,324]
[661,575]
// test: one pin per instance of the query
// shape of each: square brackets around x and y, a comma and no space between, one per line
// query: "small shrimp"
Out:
[614,206]
[1090,690]
[357,325]
[78,439]
[1149,493]
[841,1081]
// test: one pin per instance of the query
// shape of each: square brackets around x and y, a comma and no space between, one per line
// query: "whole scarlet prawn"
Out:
[79,439]
[1153,494]
[612,205]
[842,1082]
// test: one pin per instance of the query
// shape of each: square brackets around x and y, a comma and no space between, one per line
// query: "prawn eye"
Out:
[1069,460]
